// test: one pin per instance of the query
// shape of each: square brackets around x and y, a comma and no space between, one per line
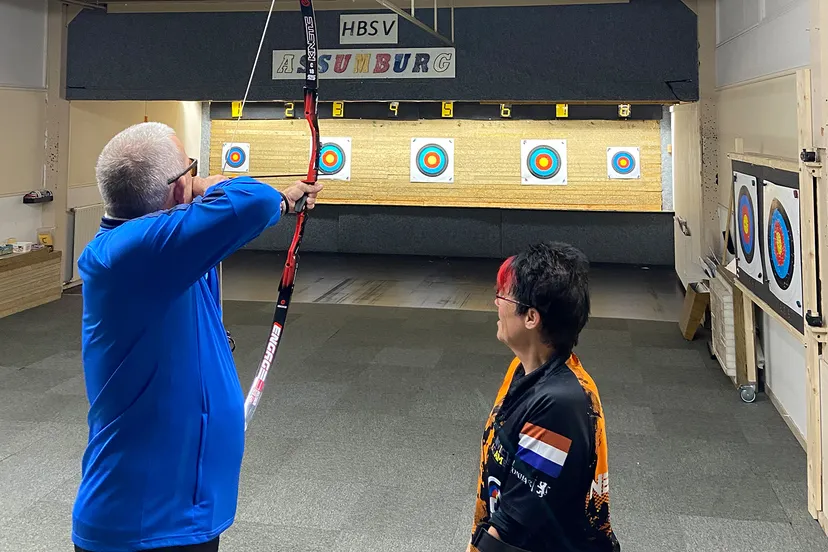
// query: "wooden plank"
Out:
[750,339]
[16,260]
[814,428]
[781,163]
[739,333]
[810,276]
[487,160]
[28,280]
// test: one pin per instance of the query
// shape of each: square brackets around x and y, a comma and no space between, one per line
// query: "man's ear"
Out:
[532,319]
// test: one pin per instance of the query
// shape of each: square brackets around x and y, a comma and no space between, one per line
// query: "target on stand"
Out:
[236,157]
[747,225]
[780,242]
[432,160]
[543,161]
[335,158]
[623,162]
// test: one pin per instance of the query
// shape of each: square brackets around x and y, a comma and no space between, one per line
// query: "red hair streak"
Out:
[506,276]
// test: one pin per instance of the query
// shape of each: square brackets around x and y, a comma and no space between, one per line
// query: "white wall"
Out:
[757,38]
[760,45]
[23,43]
[786,377]
[23,114]
[93,123]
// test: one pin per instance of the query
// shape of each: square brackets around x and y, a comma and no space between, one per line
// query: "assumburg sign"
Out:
[390,63]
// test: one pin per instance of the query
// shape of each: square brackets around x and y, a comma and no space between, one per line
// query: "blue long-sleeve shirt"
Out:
[166,419]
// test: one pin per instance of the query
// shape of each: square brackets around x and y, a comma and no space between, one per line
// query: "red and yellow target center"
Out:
[432,160]
[330,158]
[745,224]
[778,244]
[623,162]
[544,161]
[235,156]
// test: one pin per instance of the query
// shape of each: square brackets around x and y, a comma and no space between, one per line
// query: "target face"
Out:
[747,227]
[623,162]
[543,161]
[432,160]
[780,242]
[331,159]
[747,224]
[335,158]
[235,157]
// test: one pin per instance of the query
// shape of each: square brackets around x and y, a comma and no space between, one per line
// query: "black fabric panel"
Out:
[607,52]
[624,238]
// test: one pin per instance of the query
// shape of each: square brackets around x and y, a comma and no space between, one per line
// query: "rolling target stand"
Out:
[770,216]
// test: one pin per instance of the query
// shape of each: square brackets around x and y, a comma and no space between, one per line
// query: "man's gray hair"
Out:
[134,167]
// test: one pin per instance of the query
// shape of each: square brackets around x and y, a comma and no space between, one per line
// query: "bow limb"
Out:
[311,89]
[286,285]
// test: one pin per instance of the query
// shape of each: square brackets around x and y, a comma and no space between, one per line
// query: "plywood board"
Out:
[487,162]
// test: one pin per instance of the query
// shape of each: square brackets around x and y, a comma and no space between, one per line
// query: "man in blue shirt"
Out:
[166,420]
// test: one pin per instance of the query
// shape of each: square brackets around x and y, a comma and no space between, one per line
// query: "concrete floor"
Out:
[367,438]
[630,292]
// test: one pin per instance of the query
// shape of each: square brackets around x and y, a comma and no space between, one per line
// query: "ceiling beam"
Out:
[411,19]
[148,6]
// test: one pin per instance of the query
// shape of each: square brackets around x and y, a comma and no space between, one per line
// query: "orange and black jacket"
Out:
[543,466]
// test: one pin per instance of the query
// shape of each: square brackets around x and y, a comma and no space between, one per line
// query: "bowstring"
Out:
[235,130]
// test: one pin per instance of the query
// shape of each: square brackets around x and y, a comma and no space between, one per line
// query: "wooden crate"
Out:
[721,321]
[28,280]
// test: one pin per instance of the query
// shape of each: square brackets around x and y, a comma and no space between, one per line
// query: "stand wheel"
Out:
[231,341]
[747,393]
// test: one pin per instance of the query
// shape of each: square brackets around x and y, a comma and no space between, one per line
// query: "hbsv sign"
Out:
[368,29]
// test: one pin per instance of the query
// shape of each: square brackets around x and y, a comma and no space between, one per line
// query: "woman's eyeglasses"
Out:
[192,169]
[501,297]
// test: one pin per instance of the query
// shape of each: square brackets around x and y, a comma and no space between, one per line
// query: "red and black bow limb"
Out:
[286,284]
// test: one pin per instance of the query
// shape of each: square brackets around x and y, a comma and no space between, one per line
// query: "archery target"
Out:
[624,162]
[432,160]
[746,215]
[543,161]
[782,244]
[335,159]
[235,157]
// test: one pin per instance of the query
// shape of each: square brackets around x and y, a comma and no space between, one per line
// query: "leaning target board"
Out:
[782,244]
[767,223]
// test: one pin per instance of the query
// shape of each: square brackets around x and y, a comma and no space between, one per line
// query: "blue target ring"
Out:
[780,245]
[623,162]
[331,158]
[235,157]
[544,162]
[432,160]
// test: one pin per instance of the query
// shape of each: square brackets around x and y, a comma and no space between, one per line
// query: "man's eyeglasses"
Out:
[192,169]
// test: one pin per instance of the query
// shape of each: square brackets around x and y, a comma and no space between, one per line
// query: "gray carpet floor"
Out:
[367,438]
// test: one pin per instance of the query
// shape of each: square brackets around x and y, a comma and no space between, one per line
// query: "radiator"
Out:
[86,221]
